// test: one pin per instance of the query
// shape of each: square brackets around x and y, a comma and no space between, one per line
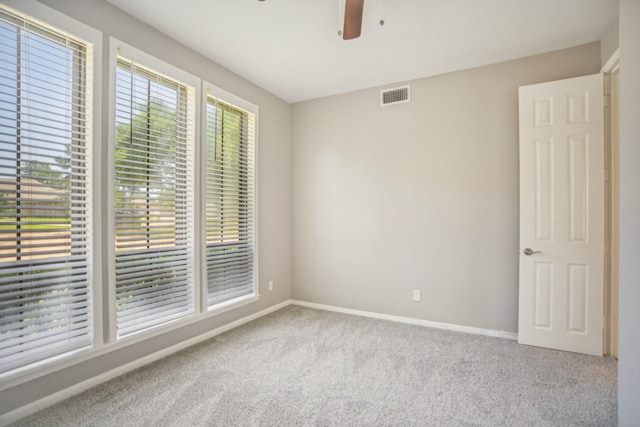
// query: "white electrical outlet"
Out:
[416,295]
[270,285]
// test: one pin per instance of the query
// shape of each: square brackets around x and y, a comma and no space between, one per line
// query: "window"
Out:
[230,175]
[45,192]
[154,198]
[176,247]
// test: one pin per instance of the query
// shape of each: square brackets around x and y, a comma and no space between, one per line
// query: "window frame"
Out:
[103,218]
[211,90]
[118,48]
[61,23]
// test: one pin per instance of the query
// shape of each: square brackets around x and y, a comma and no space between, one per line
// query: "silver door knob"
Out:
[529,251]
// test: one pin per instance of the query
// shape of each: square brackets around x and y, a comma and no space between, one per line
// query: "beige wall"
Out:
[421,195]
[274,192]
[629,267]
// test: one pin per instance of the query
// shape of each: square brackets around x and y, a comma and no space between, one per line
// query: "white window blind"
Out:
[45,192]
[230,228]
[154,213]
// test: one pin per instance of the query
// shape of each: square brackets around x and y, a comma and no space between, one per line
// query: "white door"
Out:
[562,215]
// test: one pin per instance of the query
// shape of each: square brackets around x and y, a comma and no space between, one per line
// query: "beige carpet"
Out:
[304,367]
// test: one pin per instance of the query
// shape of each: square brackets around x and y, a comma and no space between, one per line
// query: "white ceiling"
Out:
[292,49]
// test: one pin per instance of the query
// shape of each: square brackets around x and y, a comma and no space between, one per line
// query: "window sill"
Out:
[233,304]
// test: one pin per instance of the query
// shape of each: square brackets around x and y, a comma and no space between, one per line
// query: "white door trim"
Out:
[611,70]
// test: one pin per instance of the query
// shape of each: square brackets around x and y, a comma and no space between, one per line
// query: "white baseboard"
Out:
[61,395]
[411,320]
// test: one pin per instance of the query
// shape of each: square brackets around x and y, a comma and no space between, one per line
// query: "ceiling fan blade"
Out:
[352,19]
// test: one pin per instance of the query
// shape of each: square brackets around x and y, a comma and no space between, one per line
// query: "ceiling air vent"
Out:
[396,95]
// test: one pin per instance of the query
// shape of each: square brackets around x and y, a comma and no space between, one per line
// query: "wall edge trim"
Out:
[411,320]
[59,396]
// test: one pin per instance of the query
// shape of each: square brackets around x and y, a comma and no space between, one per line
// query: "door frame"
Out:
[611,78]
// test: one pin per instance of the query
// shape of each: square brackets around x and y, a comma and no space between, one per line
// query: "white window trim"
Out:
[103,215]
[62,23]
[236,101]
[118,48]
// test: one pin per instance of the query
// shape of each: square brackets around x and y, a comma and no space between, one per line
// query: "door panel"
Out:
[562,214]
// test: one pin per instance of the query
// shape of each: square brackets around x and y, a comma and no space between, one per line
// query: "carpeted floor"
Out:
[305,367]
